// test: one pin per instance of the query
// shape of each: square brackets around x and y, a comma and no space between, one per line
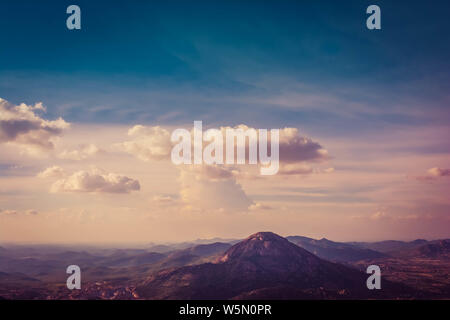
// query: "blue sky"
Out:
[176,61]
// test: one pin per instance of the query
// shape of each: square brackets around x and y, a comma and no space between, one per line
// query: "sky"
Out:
[86,117]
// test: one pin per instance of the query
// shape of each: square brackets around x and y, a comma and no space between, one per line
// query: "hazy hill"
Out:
[194,255]
[390,246]
[334,251]
[439,249]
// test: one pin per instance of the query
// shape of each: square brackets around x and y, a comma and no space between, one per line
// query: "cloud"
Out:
[52,172]
[22,126]
[149,143]
[293,146]
[211,188]
[153,143]
[296,148]
[433,174]
[438,172]
[82,152]
[214,187]
[214,173]
[95,182]
[295,169]
[164,200]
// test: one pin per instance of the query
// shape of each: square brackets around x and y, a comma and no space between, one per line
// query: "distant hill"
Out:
[439,249]
[390,246]
[124,259]
[263,266]
[3,251]
[194,255]
[209,249]
[164,248]
[16,278]
[334,251]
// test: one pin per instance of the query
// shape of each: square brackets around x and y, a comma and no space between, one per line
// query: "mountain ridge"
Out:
[259,267]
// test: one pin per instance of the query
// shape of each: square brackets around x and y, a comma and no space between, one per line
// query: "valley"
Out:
[263,266]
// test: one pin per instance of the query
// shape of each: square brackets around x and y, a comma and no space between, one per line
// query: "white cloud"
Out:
[52,172]
[149,143]
[95,181]
[22,126]
[153,143]
[211,189]
[211,186]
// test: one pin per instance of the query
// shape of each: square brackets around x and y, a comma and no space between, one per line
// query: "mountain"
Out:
[390,246]
[439,249]
[3,251]
[262,266]
[162,248]
[209,249]
[16,278]
[123,259]
[334,251]
[215,240]
[194,255]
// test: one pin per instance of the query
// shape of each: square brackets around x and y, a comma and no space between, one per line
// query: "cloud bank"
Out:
[94,181]
[23,126]
[153,143]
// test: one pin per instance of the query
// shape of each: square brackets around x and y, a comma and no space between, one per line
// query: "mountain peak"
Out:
[265,236]
[267,248]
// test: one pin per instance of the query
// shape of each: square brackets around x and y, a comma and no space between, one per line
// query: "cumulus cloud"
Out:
[82,152]
[153,143]
[215,186]
[52,172]
[23,126]
[94,181]
[293,146]
[296,148]
[211,189]
[148,143]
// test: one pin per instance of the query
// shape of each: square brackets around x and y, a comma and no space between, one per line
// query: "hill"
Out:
[335,251]
[262,266]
